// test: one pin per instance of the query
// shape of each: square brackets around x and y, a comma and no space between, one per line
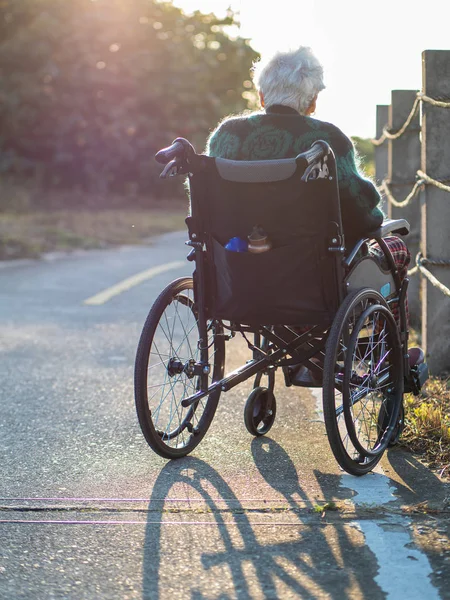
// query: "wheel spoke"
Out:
[191,353]
[174,333]
[367,371]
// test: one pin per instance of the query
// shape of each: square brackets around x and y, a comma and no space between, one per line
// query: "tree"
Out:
[91,89]
[366,153]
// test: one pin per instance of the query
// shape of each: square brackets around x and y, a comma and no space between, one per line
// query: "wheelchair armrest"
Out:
[400,226]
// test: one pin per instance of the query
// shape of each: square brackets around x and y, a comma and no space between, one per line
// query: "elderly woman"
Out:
[288,85]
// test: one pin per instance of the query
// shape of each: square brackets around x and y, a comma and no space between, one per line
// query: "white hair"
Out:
[290,78]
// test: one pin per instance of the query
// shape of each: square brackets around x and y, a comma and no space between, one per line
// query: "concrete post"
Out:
[436,209]
[404,162]
[381,152]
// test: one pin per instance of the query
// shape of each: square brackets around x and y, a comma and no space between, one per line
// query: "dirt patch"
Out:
[29,235]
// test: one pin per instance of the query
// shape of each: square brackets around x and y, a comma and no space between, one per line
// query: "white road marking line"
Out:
[130,282]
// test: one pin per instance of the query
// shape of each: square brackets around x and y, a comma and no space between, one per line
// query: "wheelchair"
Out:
[308,302]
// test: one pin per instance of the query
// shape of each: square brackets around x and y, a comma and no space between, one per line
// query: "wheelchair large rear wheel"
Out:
[363,381]
[169,346]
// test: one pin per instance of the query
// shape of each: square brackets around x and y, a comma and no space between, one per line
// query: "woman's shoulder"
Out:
[230,132]
[340,142]
[238,121]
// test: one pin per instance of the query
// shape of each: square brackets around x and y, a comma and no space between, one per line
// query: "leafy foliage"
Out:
[366,153]
[91,89]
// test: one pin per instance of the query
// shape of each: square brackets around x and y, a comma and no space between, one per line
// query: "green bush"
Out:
[366,153]
[90,90]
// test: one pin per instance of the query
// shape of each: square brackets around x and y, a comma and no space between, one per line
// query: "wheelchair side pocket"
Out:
[281,286]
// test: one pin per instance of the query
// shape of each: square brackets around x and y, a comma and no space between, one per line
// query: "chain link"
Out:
[427,179]
[436,262]
[432,101]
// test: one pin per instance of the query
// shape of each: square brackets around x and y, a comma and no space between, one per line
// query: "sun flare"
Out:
[366,53]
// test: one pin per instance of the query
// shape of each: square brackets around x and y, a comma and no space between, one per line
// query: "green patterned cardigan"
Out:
[281,132]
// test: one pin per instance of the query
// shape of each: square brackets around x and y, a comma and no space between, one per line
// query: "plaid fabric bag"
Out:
[402,258]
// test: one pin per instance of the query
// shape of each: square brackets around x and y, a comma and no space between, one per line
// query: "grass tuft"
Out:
[322,508]
[427,424]
[28,235]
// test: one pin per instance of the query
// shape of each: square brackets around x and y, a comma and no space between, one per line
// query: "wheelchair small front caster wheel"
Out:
[260,410]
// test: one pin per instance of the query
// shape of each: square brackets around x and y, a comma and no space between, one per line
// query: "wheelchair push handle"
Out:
[317,151]
[180,149]
[167,154]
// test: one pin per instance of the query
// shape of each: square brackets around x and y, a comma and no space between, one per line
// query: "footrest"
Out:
[417,377]
[301,376]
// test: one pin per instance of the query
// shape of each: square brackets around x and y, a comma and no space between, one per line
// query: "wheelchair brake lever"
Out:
[173,168]
[191,256]
[170,169]
[317,170]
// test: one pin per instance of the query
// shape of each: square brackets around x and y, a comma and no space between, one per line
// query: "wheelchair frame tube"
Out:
[401,288]
[337,244]
[196,242]
[256,365]
[199,295]
[232,379]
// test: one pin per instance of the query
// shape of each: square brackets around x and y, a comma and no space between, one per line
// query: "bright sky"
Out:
[367,48]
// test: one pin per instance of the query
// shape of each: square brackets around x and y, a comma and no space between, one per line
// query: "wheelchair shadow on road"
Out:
[425,499]
[221,546]
[415,482]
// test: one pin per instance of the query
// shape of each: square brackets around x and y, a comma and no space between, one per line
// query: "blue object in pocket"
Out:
[237,244]
[385,290]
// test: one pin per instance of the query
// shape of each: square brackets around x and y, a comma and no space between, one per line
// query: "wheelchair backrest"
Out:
[298,281]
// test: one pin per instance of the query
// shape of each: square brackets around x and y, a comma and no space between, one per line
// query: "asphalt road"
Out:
[88,511]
